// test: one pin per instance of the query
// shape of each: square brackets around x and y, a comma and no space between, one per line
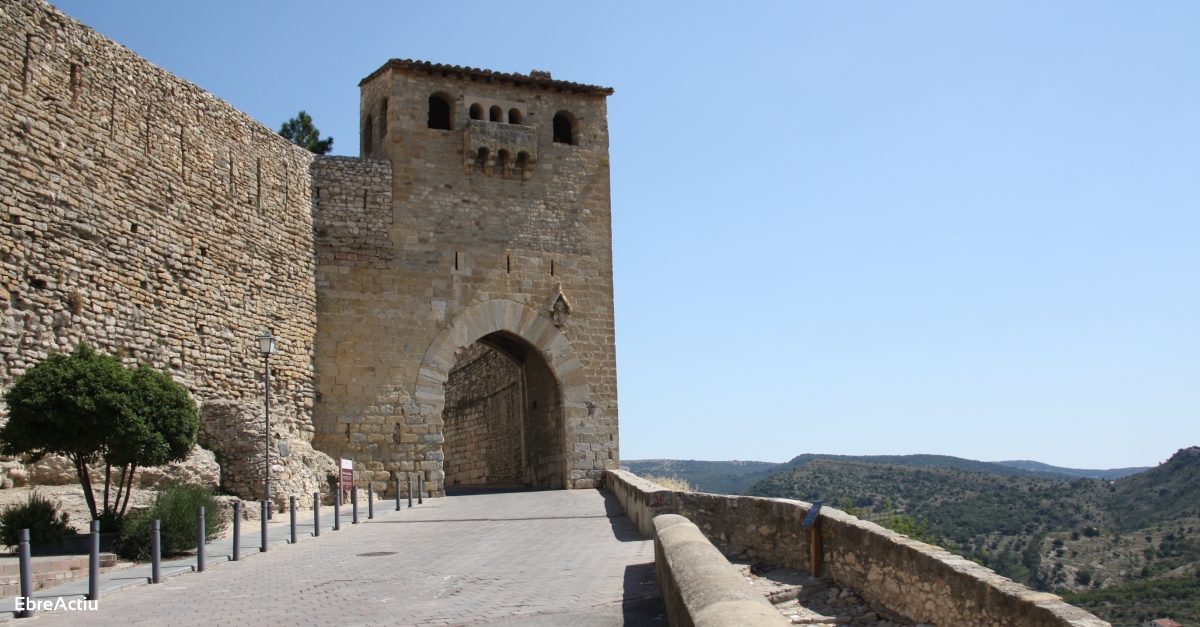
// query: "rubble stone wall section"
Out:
[483,419]
[145,216]
[922,582]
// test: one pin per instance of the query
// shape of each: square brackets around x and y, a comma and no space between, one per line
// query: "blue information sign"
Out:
[812,515]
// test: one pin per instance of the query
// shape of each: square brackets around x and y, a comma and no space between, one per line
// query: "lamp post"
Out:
[266,346]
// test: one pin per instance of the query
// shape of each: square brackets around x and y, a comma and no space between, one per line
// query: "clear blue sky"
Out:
[967,228]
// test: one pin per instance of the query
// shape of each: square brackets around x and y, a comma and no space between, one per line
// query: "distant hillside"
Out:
[1165,492]
[938,461]
[1100,540]
[735,477]
[966,506]
[1113,473]
[730,477]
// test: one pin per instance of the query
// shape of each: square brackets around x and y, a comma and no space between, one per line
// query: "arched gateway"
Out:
[514,382]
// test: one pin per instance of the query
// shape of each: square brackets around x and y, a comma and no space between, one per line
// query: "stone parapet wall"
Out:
[923,582]
[145,216]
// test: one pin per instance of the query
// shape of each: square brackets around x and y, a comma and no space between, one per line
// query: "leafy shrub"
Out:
[111,521]
[175,508]
[39,515]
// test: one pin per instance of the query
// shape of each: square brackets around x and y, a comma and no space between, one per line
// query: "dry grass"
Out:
[671,483]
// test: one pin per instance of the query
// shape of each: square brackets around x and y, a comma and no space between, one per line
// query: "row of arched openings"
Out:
[440,118]
[496,114]
[507,162]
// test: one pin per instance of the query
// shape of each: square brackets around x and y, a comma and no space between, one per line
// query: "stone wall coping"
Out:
[700,587]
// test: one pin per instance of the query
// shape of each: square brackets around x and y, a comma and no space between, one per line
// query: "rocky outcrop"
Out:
[200,468]
[234,431]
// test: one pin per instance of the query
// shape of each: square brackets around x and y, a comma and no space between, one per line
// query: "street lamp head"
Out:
[266,343]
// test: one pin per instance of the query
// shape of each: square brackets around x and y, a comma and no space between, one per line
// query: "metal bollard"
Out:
[237,530]
[397,493]
[200,539]
[370,501]
[155,552]
[26,571]
[266,511]
[420,488]
[316,514]
[354,505]
[292,506]
[410,491]
[337,510]
[94,563]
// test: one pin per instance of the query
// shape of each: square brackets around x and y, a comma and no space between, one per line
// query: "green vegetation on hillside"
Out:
[1167,492]
[1104,542]
[1136,603]
[734,477]
[966,507]
[936,461]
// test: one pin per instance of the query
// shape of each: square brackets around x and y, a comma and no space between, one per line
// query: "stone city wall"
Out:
[145,216]
[922,582]
[352,217]
[483,419]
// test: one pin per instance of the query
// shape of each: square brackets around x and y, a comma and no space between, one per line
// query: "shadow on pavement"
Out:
[470,490]
[623,528]
[641,606]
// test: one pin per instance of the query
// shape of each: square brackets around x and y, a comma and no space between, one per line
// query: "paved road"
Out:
[513,559]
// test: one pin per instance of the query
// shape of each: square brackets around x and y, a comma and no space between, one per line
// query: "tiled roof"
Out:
[477,74]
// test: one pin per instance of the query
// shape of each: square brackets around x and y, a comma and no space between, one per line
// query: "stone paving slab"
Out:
[278,533]
[518,558]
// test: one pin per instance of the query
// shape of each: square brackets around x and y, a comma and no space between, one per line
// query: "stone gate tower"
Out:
[464,282]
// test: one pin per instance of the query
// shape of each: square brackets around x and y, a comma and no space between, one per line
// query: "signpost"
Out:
[813,521]
[347,475]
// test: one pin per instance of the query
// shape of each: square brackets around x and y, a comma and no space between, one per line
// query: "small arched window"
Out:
[514,116]
[564,128]
[383,112]
[476,111]
[367,133]
[439,113]
[497,114]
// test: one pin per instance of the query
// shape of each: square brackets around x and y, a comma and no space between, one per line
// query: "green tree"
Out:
[89,408]
[300,131]
[161,428]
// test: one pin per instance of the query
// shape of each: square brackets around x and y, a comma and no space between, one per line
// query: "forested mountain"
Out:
[734,477]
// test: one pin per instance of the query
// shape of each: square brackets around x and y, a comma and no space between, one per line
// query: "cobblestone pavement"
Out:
[566,557]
